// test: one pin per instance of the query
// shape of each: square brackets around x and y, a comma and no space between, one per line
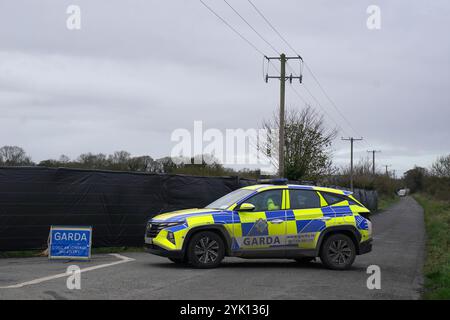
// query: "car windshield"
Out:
[229,199]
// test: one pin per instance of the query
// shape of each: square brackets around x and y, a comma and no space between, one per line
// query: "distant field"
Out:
[437,264]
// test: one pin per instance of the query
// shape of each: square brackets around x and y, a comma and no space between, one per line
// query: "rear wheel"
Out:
[205,250]
[338,252]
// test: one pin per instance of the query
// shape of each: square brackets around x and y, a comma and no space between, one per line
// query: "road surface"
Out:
[398,250]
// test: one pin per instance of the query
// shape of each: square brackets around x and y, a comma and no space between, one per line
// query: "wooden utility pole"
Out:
[387,172]
[373,159]
[283,59]
[351,139]
[282,116]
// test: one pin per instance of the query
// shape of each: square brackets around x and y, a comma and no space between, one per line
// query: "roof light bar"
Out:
[280,181]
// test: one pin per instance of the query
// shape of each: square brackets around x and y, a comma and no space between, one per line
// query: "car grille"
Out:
[153,228]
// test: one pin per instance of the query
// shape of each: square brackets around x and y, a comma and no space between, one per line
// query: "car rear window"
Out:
[304,199]
[336,198]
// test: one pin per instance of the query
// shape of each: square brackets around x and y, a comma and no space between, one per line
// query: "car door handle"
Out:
[276,221]
[326,218]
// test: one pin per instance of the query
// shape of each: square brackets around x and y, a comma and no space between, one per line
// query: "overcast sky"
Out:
[137,70]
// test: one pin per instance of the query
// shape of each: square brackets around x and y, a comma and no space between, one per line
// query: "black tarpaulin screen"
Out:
[116,204]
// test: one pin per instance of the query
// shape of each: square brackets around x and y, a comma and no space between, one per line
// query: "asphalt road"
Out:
[398,251]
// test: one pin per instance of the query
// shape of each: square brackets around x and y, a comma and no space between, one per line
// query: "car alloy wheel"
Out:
[206,250]
[339,252]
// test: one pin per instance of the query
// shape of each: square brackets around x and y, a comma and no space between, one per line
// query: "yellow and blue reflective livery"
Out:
[268,221]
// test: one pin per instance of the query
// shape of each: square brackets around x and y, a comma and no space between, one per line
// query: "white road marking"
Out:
[123,259]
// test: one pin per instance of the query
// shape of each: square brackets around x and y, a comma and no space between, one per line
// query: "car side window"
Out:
[332,199]
[304,199]
[266,201]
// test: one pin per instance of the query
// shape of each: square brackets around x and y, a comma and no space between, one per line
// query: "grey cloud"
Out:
[137,70]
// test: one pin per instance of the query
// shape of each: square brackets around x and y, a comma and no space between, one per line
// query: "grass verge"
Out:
[437,264]
[385,201]
[20,254]
[38,253]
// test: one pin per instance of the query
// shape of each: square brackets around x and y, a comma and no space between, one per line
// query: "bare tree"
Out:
[14,156]
[441,167]
[143,164]
[307,144]
[92,161]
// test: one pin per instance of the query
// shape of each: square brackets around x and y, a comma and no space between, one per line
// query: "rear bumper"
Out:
[154,249]
[365,246]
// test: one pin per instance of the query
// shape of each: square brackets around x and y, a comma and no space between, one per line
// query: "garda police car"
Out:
[271,220]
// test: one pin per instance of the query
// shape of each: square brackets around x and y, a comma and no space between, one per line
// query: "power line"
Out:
[282,77]
[232,28]
[289,45]
[272,27]
[329,99]
[273,48]
[317,102]
[309,69]
[322,108]
[251,27]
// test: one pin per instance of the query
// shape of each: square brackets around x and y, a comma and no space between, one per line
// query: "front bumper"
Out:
[365,246]
[156,250]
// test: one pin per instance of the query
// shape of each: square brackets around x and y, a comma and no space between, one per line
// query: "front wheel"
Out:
[338,252]
[205,250]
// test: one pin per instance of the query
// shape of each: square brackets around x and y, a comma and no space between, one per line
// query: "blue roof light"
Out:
[278,181]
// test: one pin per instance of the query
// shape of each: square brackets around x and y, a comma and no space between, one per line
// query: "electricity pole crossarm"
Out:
[351,139]
[282,77]
[283,59]
[373,159]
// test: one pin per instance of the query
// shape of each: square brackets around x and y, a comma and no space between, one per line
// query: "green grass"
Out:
[20,254]
[385,201]
[437,264]
[37,253]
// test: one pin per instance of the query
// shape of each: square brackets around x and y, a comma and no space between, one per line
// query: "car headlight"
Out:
[173,224]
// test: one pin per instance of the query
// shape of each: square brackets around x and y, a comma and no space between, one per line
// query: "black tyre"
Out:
[338,252]
[205,250]
[304,260]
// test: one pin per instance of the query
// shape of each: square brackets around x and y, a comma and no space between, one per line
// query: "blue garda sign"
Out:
[70,242]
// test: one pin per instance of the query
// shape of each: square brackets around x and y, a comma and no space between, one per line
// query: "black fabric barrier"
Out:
[116,204]
[369,198]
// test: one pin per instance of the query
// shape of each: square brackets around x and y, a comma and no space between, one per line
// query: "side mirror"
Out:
[246,207]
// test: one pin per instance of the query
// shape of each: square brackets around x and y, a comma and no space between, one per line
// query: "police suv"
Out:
[270,220]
